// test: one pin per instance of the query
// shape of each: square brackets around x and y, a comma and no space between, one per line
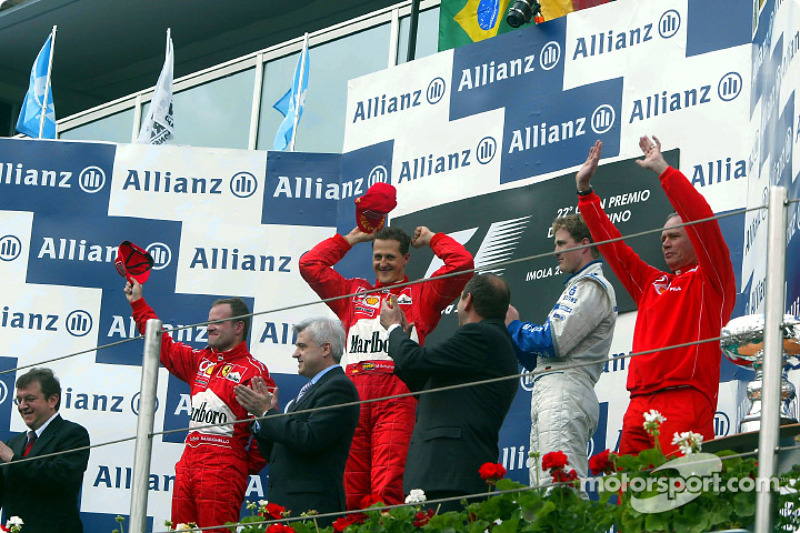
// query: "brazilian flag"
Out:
[466,21]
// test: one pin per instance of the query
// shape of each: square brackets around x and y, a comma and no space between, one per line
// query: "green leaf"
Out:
[507,484]
[507,526]
[745,503]
[478,526]
[651,456]
[657,521]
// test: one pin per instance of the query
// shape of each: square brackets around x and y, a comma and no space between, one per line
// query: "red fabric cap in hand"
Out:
[372,208]
[133,262]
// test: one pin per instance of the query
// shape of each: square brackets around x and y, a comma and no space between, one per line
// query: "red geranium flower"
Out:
[491,472]
[601,463]
[562,476]
[422,517]
[358,518]
[342,522]
[279,528]
[554,460]
[369,500]
[273,510]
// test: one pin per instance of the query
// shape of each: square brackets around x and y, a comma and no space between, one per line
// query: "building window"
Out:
[113,128]
[427,35]
[215,114]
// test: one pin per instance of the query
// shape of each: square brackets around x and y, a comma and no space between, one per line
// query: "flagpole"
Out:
[297,96]
[412,31]
[47,81]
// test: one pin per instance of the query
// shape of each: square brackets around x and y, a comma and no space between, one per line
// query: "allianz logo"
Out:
[63,249]
[431,164]
[614,40]
[319,188]
[387,104]
[497,70]
[241,184]
[10,247]
[729,87]
[91,179]
[722,424]
[541,134]
[77,323]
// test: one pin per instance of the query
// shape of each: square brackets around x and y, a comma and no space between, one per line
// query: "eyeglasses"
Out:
[27,399]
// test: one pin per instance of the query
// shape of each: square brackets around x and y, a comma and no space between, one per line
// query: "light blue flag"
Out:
[31,113]
[291,104]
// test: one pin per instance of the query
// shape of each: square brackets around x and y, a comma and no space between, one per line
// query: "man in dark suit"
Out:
[457,430]
[307,451]
[43,492]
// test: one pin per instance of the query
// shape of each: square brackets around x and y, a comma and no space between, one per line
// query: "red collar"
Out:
[379,285]
[237,352]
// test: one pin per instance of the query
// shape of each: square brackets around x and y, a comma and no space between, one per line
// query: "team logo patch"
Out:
[365,310]
[404,299]
[204,372]
[372,300]
[359,297]
[231,372]
[367,366]
[661,284]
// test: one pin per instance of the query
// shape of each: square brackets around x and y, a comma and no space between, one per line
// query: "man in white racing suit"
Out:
[564,406]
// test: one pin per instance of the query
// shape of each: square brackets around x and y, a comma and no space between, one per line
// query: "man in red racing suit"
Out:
[690,304]
[211,476]
[380,444]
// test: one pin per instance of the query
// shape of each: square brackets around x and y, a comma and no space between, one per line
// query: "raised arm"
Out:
[708,243]
[631,270]
[584,176]
[178,358]
[438,293]
[316,268]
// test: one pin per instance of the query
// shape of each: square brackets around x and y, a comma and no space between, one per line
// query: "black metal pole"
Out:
[412,31]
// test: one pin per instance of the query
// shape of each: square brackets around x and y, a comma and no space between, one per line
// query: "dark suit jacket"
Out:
[456,430]
[307,452]
[45,493]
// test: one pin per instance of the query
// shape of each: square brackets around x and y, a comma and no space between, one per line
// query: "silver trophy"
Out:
[743,343]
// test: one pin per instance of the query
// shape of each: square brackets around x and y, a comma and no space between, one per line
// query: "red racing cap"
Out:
[372,208]
[133,262]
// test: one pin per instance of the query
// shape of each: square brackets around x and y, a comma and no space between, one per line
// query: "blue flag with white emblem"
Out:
[39,97]
[291,104]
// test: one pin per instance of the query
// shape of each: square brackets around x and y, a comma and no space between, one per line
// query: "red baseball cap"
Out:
[372,208]
[133,262]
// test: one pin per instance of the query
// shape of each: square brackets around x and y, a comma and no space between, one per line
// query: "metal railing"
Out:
[768,447]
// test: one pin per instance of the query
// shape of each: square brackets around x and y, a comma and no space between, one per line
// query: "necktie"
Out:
[304,390]
[29,445]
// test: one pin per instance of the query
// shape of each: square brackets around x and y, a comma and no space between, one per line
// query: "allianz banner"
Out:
[481,142]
